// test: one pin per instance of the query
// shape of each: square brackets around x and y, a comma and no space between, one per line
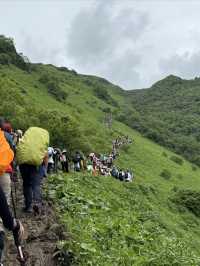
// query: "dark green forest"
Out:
[169,114]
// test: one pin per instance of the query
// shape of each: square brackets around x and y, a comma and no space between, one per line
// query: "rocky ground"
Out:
[42,234]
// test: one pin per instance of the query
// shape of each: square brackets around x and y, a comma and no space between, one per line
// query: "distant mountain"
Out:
[169,113]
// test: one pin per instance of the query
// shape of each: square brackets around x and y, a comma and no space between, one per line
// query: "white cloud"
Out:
[132,43]
[104,38]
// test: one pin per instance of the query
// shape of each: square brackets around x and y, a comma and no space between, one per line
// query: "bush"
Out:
[188,199]
[194,168]
[164,154]
[56,91]
[180,176]
[177,160]
[5,59]
[102,93]
[105,109]
[53,87]
[166,174]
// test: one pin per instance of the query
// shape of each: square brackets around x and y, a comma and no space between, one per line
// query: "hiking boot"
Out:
[36,209]
[27,209]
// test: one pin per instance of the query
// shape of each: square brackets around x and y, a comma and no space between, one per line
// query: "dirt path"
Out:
[42,234]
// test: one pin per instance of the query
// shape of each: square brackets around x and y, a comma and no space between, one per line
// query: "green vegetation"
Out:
[177,160]
[9,55]
[169,115]
[188,199]
[115,223]
[166,174]
[152,221]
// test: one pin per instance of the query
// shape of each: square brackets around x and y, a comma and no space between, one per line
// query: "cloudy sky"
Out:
[133,43]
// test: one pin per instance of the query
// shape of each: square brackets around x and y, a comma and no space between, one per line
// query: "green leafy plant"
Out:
[177,160]
[166,174]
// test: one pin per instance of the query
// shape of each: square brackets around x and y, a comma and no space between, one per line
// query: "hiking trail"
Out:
[41,235]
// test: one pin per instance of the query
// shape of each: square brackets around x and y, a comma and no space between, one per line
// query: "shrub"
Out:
[102,93]
[164,154]
[188,199]
[53,87]
[177,160]
[56,91]
[180,176]
[194,168]
[5,59]
[23,91]
[105,109]
[166,174]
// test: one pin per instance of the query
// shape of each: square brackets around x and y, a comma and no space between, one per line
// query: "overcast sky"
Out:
[133,43]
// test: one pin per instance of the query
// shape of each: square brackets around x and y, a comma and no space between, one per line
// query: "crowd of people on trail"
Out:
[30,155]
[96,164]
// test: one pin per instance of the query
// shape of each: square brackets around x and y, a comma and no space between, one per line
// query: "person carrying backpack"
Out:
[114,172]
[6,158]
[31,154]
[110,161]
[77,161]
[50,160]
[121,175]
[7,129]
[128,176]
[56,157]
[64,161]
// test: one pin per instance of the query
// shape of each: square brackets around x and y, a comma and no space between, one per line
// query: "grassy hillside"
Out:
[169,114]
[152,221]
[139,223]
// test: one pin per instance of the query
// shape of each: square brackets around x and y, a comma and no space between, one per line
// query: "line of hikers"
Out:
[28,155]
[31,155]
[96,164]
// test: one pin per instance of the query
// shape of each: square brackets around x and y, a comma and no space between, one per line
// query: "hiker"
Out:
[6,158]
[56,158]
[17,136]
[90,163]
[121,175]
[64,161]
[115,172]
[128,176]
[110,161]
[7,129]
[50,160]
[31,154]
[9,222]
[77,161]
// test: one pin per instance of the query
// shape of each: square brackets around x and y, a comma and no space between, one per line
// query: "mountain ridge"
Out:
[147,222]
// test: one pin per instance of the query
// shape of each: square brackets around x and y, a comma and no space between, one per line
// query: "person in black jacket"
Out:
[9,222]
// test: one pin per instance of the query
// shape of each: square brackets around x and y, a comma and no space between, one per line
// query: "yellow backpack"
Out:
[33,146]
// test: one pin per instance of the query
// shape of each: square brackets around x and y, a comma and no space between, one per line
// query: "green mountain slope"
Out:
[114,223]
[169,114]
[152,221]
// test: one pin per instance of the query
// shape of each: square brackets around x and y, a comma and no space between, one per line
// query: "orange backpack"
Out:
[6,153]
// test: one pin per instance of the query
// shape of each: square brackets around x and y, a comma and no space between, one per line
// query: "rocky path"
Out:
[42,234]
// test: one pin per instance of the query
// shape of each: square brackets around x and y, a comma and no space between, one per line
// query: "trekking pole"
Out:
[13,203]
[21,256]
